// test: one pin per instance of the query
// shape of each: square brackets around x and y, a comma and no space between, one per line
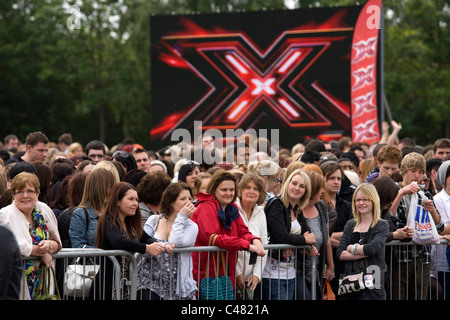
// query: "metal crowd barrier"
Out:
[127,286]
[98,257]
[211,250]
[88,257]
[410,270]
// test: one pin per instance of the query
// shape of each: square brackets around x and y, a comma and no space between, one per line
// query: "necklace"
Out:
[361,236]
[166,237]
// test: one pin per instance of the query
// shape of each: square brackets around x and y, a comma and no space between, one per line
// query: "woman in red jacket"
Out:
[217,214]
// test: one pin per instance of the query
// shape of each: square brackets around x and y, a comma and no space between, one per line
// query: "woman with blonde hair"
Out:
[76,149]
[363,242]
[283,226]
[365,167]
[294,165]
[110,166]
[270,172]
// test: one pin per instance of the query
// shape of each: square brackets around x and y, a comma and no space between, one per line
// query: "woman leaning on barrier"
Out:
[35,227]
[169,276]
[250,196]
[120,228]
[280,275]
[363,243]
[217,214]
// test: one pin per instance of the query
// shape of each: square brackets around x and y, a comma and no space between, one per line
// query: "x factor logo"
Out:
[266,85]
[245,82]
[365,131]
[363,76]
[363,104]
[365,49]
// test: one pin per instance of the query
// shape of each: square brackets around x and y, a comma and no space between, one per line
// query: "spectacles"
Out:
[277,180]
[21,193]
[425,180]
[99,156]
[362,200]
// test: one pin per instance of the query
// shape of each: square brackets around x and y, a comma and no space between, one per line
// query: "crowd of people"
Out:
[343,199]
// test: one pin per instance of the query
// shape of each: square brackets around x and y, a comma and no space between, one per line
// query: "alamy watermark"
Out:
[74,20]
[232,150]
[374,20]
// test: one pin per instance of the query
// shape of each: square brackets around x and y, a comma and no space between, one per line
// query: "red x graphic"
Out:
[366,131]
[364,104]
[363,76]
[244,82]
[365,48]
[264,84]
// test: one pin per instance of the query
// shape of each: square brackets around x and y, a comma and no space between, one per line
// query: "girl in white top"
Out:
[174,227]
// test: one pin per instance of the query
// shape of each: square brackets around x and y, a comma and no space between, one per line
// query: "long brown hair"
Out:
[96,188]
[111,214]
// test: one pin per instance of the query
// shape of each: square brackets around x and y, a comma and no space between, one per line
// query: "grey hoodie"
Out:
[442,172]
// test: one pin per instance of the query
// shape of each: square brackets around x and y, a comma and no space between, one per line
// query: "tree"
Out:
[417,48]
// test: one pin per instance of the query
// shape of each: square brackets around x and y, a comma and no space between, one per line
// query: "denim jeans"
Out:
[278,289]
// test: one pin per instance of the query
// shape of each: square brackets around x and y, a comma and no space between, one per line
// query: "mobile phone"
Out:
[253,257]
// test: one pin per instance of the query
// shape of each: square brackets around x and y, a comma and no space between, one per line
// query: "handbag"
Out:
[218,287]
[42,291]
[78,279]
[355,281]
[421,221]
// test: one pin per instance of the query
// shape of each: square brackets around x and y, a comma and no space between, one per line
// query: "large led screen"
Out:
[307,72]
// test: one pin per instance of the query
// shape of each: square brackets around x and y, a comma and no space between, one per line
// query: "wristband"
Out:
[354,248]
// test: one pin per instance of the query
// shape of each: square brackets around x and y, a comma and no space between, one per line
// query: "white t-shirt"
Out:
[438,256]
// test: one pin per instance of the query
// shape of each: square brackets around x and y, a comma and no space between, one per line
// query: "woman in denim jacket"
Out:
[83,225]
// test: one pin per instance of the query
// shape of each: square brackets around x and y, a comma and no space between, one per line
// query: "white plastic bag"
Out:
[421,221]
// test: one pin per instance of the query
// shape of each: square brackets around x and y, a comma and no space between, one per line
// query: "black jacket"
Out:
[347,189]
[279,224]
[11,268]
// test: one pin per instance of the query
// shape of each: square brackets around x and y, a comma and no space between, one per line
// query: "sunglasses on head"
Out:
[122,154]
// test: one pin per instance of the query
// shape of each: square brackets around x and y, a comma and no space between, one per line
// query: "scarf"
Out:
[226,218]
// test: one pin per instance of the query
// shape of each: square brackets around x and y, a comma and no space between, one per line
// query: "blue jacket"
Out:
[82,234]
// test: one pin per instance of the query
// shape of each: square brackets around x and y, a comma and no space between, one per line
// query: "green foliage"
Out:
[417,67]
[94,80]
